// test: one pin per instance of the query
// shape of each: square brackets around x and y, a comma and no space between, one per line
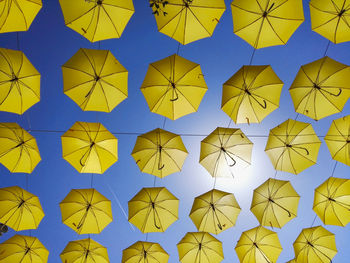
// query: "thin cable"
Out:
[154,182]
[92,180]
[164,123]
[325,53]
[178,49]
[335,166]
[18,46]
[313,222]
[120,206]
[252,57]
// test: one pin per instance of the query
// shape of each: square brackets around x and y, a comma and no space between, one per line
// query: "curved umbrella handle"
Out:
[332,94]
[154,218]
[160,165]
[303,148]
[176,95]
[234,161]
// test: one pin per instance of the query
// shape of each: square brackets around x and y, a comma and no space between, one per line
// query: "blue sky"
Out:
[49,44]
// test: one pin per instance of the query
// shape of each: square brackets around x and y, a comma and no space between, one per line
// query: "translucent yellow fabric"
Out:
[159,152]
[321,88]
[315,244]
[332,201]
[200,247]
[84,250]
[19,152]
[338,140]
[18,15]
[95,80]
[292,261]
[215,211]
[19,209]
[86,211]
[251,94]
[97,19]
[188,20]
[293,146]
[153,209]
[23,249]
[145,252]
[331,19]
[225,151]
[174,87]
[19,82]
[258,245]
[264,23]
[275,203]
[89,147]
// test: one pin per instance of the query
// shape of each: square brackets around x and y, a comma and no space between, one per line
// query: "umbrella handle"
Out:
[234,161]
[306,150]
[154,219]
[332,94]
[160,165]
[85,154]
[177,96]
[264,106]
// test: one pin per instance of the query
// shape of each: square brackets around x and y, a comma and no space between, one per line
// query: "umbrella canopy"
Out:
[95,80]
[20,209]
[225,150]
[153,209]
[266,23]
[19,81]
[331,19]
[159,152]
[200,247]
[338,140]
[332,201]
[215,211]
[292,261]
[145,252]
[18,15]
[258,245]
[293,146]
[89,147]
[97,19]
[315,244]
[84,250]
[187,20]
[23,249]
[174,87]
[321,88]
[275,203]
[251,94]
[19,152]
[86,211]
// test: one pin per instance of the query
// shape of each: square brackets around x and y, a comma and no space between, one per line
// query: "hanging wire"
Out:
[252,57]
[325,53]
[164,123]
[154,182]
[178,49]
[18,46]
[120,206]
[92,180]
[335,166]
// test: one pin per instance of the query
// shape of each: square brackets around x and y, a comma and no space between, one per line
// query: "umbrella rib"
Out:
[273,29]
[180,12]
[92,63]
[322,81]
[102,80]
[103,64]
[199,22]
[109,17]
[172,160]
[78,17]
[186,73]
[68,67]
[77,85]
[121,7]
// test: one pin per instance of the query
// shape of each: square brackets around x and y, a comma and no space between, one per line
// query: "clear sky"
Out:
[49,44]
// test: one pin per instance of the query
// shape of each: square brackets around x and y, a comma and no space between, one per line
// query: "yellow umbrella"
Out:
[23,249]
[86,211]
[89,147]
[215,211]
[331,19]
[321,88]
[145,252]
[338,140]
[225,150]
[266,23]
[292,146]
[251,94]
[95,80]
[174,87]
[19,81]
[187,20]
[258,245]
[18,15]
[275,203]
[200,247]
[332,201]
[97,19]
[292,261]
[315,244]
[20,209]
[84,250]
[153,209]
[159,152]
[19,152]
